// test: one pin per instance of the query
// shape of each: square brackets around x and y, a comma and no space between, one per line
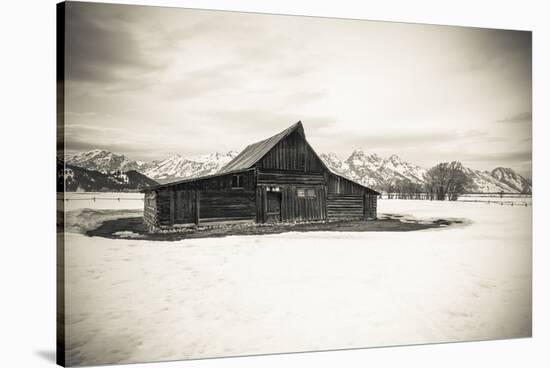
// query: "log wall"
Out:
[177,207]
[228,205]
[345,206]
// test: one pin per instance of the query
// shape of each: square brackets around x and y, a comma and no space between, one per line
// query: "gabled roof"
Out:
[255,151]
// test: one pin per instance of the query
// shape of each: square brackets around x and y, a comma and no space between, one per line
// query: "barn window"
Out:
[306,192]
[237,181]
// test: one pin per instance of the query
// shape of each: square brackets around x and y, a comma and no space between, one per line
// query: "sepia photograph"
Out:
[236,184]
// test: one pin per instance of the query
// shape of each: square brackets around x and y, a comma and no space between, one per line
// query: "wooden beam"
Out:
[172,207]
[197,207]
[365,204]
[264,204]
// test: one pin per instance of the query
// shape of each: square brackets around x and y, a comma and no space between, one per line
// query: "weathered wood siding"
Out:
[177,207]
[345,206]
[293,208]
[292,154]
[228,205]
[164,205]
[371,206]
[150,215]
[304,208]
[340,185]
[185,206]
[210,199]
[274,200]
[280,177]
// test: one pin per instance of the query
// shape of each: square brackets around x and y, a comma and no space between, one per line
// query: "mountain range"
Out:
[163,171]
[78,179]
[368,169]
[376,172]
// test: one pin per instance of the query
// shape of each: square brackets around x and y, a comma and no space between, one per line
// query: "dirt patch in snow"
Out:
[133,227]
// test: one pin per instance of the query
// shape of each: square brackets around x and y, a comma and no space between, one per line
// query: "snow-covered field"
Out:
[517,199]
[103,201]
[134,300]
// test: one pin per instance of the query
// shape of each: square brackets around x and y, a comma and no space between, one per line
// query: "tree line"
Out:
[444,181]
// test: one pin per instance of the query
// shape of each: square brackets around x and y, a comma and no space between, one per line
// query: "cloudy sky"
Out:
[150,82]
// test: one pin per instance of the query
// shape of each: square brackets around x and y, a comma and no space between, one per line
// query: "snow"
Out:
[511,179]
[179,167]
[373,170]
[102,160]
[131,300]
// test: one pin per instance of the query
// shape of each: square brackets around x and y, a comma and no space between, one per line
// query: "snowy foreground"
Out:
[134,300]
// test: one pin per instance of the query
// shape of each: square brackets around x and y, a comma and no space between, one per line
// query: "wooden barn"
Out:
[279,179]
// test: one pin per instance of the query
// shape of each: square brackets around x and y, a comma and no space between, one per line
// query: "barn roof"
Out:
[255,151]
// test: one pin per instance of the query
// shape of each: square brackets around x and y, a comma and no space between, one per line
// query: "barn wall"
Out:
[150,215]
[339,185]
[176,207]
[371,206]
[293,208]
[280,177]
[209,199]
[228,205]
[304,209]
[185,206]
[345,206]
[292,153]
[164,205]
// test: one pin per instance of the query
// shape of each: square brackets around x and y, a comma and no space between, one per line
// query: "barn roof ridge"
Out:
[255,151]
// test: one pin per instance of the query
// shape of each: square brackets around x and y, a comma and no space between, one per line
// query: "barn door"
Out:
[370,206]
[273,206]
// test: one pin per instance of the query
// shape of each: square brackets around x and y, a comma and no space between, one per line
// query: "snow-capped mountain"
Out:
[512,179]
[373,170]
[484,182]
[178,167]
[77,179]
[376,172]
[103,161]
[368,169]
[173,168]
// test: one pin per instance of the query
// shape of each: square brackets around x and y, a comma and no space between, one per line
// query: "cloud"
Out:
[100,44]
[152,81]
[490,48]
[198,83]
[504,157]
[389,140]
[522,117]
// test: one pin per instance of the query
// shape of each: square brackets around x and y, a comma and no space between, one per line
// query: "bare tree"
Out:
[447,180]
